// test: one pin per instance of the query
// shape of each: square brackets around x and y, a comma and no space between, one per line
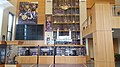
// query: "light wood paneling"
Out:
[90,3]
[27,59]
[115,22]
[70,59]
[50,59]
[102,37]
[27,42]
[88,12]
[14,42]
[46,59]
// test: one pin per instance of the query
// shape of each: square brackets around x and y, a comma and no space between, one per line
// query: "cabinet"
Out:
[64,54]
[67,50]
[66,27]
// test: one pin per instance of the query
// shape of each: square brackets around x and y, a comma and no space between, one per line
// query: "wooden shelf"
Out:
[66,23]
[66,30]
[69,7]
[66,15]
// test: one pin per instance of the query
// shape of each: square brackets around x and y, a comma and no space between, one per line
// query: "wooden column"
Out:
[102,36]
[83,16]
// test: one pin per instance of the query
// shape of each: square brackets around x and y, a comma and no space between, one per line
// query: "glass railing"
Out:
[116,10]
[87,22]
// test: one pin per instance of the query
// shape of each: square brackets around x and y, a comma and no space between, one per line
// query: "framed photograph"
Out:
[48,23]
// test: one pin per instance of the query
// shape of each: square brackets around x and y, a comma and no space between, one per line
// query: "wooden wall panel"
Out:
[115,45]
[88,12]
[115,22]
[103,16]
[50,59]
[102,36]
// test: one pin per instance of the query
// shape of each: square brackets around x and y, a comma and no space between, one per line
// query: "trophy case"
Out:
[66,25]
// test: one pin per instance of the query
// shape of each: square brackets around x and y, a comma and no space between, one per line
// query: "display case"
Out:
[28,51]
[3,48]
[49,51]
[45,54]
[66,23]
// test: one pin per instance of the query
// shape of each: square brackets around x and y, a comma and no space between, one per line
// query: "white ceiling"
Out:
[5,4]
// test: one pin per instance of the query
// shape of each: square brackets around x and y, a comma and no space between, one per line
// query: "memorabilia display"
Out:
[48,23]
[49,51]
[28,13]
[66,18]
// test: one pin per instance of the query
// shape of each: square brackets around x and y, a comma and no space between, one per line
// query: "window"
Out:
[10,26]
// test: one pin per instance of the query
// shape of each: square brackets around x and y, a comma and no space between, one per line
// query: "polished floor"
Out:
[56,65]
[90,64]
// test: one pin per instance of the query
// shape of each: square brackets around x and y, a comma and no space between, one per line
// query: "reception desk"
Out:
[50,59]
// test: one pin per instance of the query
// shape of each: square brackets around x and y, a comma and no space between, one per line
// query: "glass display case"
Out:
[11,54]
[3,53]
[66,22]
[49,54]
[49,51]
[28,51]
[70,51]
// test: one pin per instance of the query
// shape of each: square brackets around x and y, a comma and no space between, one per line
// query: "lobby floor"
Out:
[57,65]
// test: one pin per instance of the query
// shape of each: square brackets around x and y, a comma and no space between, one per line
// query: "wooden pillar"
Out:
[102,36]
[83,16]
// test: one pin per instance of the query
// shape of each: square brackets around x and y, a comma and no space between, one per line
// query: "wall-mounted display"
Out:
[28,13]
[48,23]
[29,32]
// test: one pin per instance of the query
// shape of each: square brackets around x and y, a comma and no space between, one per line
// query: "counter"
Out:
[50,59]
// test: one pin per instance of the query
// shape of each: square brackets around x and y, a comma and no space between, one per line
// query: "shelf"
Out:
[66,15]
[73,45]
[67,30]
[66,22]
[68,8]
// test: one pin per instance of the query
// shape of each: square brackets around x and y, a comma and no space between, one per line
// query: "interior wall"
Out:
[1,16]
[6,18]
